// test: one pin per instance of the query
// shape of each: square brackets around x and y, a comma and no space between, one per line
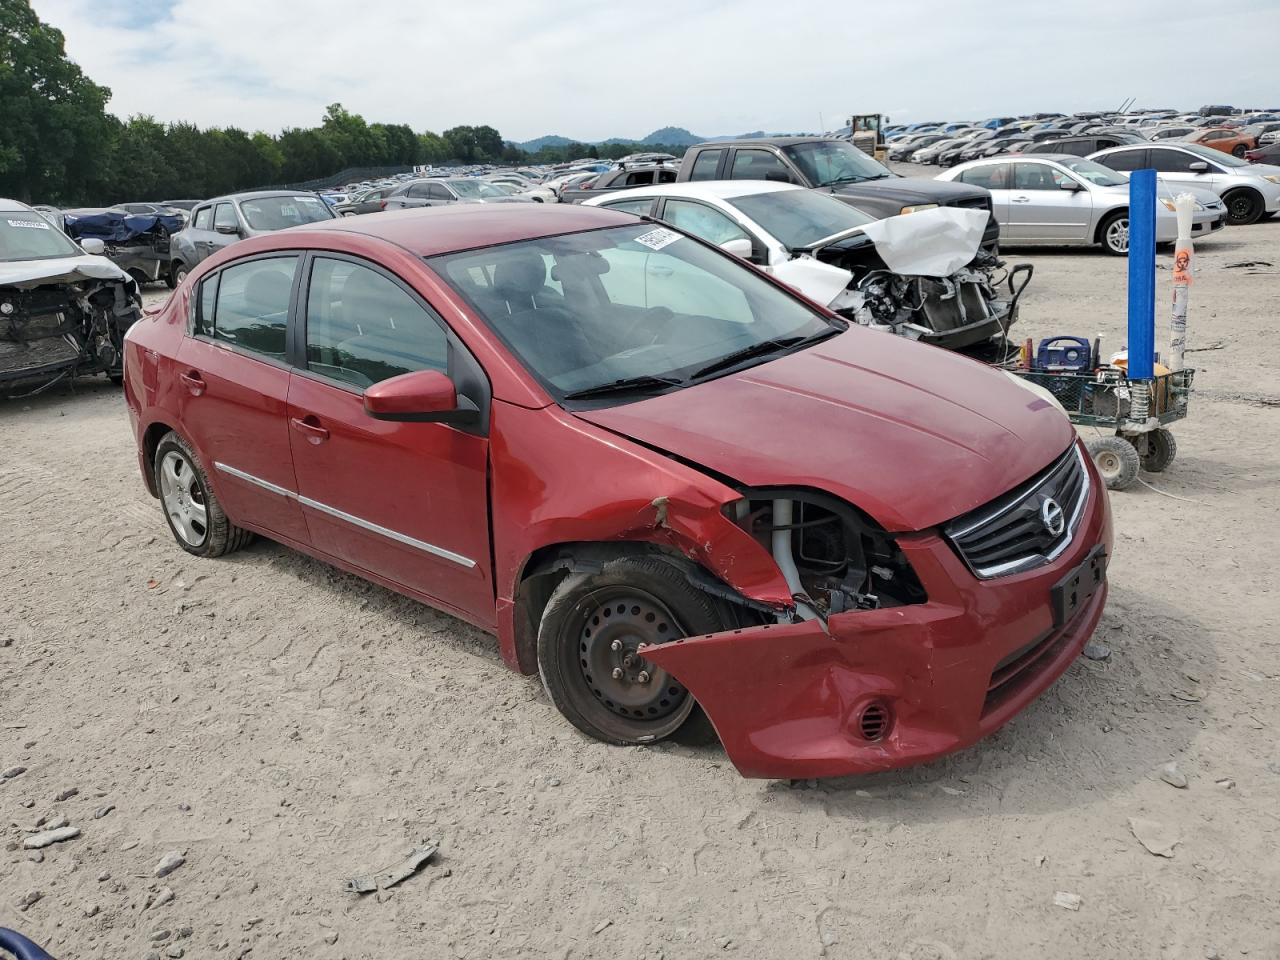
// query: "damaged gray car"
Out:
[64,309]
[924,275]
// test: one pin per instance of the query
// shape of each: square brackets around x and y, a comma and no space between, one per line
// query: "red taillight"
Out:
[382,204]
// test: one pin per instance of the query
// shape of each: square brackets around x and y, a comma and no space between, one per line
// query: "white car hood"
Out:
[33,273]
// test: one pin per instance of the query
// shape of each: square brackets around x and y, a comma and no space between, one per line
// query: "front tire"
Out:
[177,273]
[1116,459]
[1114,234]
[1244,207]
[587,642]
[195,517]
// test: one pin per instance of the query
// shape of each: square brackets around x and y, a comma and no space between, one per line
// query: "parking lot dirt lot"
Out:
[285,726]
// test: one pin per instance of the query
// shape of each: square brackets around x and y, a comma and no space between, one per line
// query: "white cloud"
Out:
[594,70]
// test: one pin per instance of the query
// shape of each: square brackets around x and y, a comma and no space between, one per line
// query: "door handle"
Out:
[310,428]
[1021,200]
[194,382]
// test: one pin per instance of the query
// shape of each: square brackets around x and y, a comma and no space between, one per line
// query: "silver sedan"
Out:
[1047,199]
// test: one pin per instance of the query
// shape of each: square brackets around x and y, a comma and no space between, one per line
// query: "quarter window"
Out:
[363,327]
[251,305]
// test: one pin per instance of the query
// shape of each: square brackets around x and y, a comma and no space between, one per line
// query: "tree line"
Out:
[59,145]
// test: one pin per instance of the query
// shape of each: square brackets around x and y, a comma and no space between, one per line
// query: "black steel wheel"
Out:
[1243,207]
[589,640]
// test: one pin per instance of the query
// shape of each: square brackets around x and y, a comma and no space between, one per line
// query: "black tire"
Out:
[1113,234]
[632,600]
[1244,207]
[1239,150]
[217,535]
[177,273]
[1116,459]
[1161,449]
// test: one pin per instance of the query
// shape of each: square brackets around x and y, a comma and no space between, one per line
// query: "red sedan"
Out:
[668,483]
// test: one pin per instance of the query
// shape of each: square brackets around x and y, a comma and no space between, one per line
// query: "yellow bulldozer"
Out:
[865,130]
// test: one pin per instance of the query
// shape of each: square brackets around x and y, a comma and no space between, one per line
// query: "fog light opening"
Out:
[875,721]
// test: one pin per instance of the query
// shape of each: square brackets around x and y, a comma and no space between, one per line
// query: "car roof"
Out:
[428,231]
[256,194]
[719,189]
[775,141]
[7,204]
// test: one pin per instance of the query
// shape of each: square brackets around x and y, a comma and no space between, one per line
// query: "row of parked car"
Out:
[1254,137]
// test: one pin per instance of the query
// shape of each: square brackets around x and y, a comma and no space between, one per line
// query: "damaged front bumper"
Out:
[871,690]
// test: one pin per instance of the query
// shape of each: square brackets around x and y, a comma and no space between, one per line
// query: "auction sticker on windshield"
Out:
[657,239]
[34,225]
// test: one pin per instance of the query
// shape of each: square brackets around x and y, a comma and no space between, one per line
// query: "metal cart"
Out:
[1136,413]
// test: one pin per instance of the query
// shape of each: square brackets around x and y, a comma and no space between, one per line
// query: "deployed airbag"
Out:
[931,243]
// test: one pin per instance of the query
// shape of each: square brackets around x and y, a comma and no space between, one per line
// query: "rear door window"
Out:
[705,165]
[251,306]
[203,219]
[1126,160]
[438,191]
[993,176]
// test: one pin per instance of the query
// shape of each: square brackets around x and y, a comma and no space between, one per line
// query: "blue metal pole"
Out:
[1142,274]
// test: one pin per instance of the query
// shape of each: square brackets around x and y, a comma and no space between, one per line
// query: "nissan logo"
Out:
[1051,515]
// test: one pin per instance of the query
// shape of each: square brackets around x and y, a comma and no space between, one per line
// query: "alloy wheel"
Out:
[183,498]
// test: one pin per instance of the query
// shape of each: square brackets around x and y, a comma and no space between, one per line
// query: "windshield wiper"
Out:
[763,348]
[846,179]
[626,385]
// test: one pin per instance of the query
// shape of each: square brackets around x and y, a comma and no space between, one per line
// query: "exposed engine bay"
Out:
[55,328]
[833,558]
[954,311]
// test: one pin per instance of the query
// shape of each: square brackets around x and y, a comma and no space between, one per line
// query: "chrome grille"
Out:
[1019,531]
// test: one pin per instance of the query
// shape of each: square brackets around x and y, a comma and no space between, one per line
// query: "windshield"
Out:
[277,213]
[1217,156]
[25,235]
[475,189]
[825,162]
[587,310]
[799,218]
[1094,173]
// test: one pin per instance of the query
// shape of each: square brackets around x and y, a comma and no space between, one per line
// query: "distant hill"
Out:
[664,136]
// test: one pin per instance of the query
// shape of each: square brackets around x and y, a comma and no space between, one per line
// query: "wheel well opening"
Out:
[1106,221]
[549,565]
[150,441]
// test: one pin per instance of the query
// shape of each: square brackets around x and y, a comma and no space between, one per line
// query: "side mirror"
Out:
[227,229]
[739,247]
[93,246]
[423,396]
[1197,166]
[1070,185]
[779,177]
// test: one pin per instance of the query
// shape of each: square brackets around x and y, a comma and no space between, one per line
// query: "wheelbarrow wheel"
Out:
[1117,461]
[1161,449]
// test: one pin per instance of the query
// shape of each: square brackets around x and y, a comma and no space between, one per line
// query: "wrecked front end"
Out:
[56,328]
[899,648]
[925,276]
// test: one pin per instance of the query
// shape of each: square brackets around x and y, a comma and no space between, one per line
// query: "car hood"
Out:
[33,273]
[907,191]
[912,434]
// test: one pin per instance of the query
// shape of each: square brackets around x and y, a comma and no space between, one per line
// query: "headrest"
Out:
[519,276]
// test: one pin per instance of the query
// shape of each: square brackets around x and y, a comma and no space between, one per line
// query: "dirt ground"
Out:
[285,726]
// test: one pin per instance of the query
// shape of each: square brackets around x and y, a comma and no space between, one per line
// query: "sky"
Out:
[592,70]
